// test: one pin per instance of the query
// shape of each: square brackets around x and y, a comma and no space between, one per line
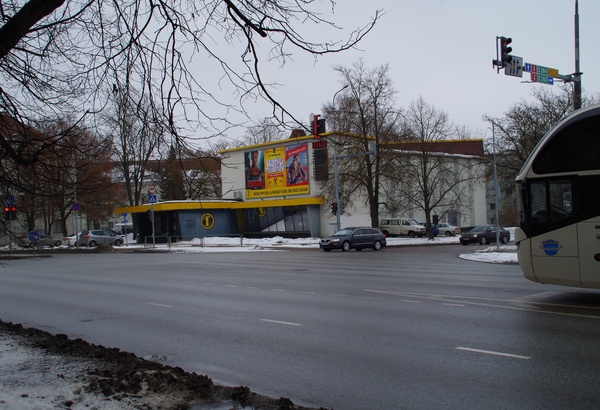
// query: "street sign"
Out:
[151,189]
[76,206]
[541,74]
[34,236]
[152,199]
[124,214]
[515,67]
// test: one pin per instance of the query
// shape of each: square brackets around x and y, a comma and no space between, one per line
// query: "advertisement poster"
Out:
[255,174]
[275,165]
[296,161]
[277,172]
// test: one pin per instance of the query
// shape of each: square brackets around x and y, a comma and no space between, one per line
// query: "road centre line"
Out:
[515,356]
[160,305]
[279,322]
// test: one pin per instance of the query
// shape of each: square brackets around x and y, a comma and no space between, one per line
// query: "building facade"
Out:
[283,188]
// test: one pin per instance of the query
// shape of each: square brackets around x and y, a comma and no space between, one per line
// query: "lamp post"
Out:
[335,170]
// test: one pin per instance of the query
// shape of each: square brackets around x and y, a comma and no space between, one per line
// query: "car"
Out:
[43,240]
[447,229]
[484,234]
[98,237]
[401,226]
[354,238]
[71,239]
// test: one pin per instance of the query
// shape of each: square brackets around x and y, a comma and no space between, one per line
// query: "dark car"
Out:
[354,238]
[484,234]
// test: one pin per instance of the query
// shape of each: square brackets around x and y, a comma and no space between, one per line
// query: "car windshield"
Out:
[413,222]
[343,232]
[479,229]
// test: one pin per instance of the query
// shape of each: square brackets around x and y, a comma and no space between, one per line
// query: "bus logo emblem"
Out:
[550,247]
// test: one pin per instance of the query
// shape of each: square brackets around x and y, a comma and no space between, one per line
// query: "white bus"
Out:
[559,192]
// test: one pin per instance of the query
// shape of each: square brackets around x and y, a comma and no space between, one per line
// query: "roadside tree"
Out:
[365,119]
[425,177]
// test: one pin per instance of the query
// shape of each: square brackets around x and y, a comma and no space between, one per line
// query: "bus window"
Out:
[560,201]
[551,204]
[539,210]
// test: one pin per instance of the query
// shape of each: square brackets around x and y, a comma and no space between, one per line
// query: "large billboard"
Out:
[279,171]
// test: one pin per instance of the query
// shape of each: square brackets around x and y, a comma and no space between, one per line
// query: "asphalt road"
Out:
[410,327]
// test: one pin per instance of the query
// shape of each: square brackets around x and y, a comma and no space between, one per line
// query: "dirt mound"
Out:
[117,374]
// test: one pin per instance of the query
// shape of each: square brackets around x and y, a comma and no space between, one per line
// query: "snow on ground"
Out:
[492,254]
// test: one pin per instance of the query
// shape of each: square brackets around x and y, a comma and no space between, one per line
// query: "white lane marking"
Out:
[279,322]
[279,290]
[253,288]
[515,356]
[454,304]
[304,292]
[231,286]
[160,305]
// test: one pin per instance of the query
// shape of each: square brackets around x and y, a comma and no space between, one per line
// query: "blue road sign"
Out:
[152,199]
[34,236]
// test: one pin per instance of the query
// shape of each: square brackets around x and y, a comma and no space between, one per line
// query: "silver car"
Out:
[44,240]
[99,237]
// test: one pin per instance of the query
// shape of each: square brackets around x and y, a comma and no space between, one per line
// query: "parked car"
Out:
[484,234]
[354,238]
[71,239]
[447,229]
[401,226]
[44,240]
[98,237]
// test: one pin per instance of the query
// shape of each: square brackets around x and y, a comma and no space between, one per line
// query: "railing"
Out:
[171,241]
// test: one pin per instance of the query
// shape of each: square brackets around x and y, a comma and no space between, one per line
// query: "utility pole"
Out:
[577,73]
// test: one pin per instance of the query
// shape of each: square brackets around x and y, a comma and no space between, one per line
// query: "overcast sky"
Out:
[443,50]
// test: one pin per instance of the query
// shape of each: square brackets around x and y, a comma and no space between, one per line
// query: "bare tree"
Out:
[58,57]
[523,125]
[366,110]
[426,178]
[265,130]
[136,136]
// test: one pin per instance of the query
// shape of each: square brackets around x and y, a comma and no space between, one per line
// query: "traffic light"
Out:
[505,50]
[334,208]
[13,213]
[6,213]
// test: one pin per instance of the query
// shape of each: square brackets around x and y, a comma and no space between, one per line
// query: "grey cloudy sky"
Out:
[443,50]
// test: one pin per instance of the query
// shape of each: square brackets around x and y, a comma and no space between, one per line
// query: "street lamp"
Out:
[335,169]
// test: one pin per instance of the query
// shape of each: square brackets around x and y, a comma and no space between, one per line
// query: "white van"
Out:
[401,226]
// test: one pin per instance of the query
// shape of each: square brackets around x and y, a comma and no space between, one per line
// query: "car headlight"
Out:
[335,241]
